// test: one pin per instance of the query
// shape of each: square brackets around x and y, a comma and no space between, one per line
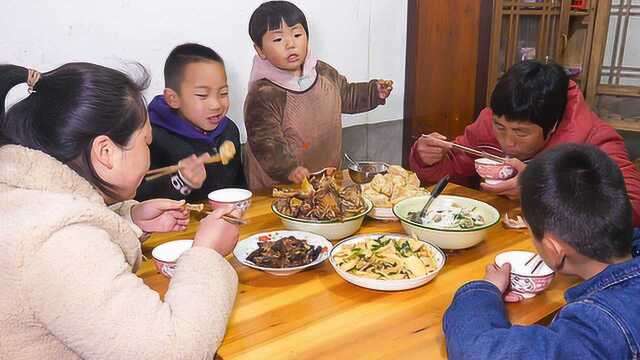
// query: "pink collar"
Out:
[263,69]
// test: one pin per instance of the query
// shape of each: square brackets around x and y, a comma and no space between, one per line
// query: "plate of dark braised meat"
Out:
[283,252]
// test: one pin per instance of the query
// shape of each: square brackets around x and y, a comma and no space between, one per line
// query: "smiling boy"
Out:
[294,105]
[534,107]
[189,124]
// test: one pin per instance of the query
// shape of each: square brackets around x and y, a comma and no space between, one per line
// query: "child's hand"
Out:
[298,174]
[498,276]
[384,88]
[192,170]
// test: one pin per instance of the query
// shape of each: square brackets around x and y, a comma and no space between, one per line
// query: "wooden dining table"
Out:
[315,314]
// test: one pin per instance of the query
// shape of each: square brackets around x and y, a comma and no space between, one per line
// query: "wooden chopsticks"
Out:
[537,263]
[472,151]
[228,218]
[226,152]
[167,170]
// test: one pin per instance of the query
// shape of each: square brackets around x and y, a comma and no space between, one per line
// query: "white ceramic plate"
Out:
[382,213]
[386,285]
[250,244]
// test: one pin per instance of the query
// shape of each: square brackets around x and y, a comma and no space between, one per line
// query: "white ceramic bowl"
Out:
[332,230]
[386,285]
[165,255]
[240,198]
[250,244]
[525,282]
[492,171]
[383,213]
[451,239]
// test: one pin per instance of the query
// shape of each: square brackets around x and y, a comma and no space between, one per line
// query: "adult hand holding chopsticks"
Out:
[160,215]
[432,148]
[216,233]
[434,144]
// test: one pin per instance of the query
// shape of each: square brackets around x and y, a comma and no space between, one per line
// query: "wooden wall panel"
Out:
[443,70]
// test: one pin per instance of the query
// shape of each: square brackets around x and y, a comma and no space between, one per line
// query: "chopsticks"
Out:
[537,263]
[471,150]
[228,218]
[225,153]
[167,170]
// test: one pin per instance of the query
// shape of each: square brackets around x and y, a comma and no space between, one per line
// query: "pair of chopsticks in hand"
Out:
[228,218]
[469,150]
[226,152]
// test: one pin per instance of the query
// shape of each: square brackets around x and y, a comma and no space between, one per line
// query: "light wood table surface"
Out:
[317,315]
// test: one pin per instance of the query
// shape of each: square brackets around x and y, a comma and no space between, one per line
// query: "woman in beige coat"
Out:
[72,152]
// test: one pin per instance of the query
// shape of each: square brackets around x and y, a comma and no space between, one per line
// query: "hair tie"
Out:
[32,79]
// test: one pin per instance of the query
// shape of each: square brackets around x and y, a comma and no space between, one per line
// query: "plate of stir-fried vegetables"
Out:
[386,262]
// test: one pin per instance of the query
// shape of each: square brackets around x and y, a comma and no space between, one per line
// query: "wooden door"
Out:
[447,54]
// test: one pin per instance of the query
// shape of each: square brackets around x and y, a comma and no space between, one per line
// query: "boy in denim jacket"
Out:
[575,202]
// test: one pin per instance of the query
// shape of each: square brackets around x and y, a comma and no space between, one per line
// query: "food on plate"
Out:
[453,217]
[321,199]
[394,186]
[386,258]
[284,253]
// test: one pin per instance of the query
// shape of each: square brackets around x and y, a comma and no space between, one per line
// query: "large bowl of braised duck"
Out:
[322,207]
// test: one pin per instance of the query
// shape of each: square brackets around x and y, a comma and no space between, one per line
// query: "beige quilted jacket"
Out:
[67,265]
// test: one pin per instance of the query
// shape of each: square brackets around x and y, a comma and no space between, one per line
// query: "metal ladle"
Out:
[354,163]
[417,216]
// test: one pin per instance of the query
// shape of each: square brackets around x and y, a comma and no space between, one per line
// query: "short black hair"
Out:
[269,16]
[532,91]
[183,55]
[577,193]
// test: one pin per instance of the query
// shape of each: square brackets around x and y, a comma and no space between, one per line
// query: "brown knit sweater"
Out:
[286,128]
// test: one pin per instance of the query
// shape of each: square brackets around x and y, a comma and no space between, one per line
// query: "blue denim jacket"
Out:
[601,320]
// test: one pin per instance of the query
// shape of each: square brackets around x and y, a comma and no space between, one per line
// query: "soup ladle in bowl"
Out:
[417,216]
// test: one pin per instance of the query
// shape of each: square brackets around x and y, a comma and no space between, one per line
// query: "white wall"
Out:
[363,39]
